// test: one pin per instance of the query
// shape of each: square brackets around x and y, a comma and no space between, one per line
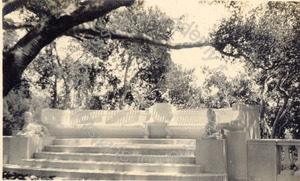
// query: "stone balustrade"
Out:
[289,160]
[277,157]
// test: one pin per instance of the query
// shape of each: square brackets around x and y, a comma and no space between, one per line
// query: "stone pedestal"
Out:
[157,130]
[212,154]
[237,155]
[263,160]
[160,116]
[6,149]
[25,147]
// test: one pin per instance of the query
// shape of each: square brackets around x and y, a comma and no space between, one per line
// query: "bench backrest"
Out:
[190,117]
[126,117]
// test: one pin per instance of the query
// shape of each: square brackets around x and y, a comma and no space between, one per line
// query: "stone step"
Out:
[172,150]
[143,166]
[112,175]
[108,141]
[135,158]
[152,146]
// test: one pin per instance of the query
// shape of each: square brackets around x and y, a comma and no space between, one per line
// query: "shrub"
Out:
[21,99]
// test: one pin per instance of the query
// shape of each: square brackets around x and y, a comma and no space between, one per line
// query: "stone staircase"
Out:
[118,159]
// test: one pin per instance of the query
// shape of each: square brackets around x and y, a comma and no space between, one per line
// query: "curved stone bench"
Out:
[125,124]
[188,123]
[160,121]
[92,123]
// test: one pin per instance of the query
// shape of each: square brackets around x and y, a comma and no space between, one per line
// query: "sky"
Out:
[204,18]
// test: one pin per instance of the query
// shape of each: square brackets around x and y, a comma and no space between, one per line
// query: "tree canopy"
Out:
[266,38]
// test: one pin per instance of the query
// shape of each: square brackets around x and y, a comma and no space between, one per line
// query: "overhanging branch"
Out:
[90,29]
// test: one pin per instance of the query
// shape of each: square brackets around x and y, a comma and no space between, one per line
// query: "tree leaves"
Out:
[265,38]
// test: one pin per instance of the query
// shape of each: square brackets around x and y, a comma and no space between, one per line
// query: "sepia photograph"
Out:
[194,90]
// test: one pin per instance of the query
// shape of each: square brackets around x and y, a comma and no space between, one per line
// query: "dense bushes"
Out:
[16,176]
[23,98]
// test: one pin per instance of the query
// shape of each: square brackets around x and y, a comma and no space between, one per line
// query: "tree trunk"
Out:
[262,117]
[54,102]
[125,86]
[275,128]
[18,58]
[67,100]
[263,95]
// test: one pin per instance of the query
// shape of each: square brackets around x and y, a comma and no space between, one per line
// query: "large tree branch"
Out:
[280,84]
[16,59]
[145,38]
[90,29]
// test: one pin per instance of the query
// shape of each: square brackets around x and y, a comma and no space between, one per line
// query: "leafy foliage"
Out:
[132,73]
[266,38]
[181,89]
[23,98]
[220,91]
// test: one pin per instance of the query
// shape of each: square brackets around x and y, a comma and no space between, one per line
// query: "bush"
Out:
[21,99]
[16,176]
